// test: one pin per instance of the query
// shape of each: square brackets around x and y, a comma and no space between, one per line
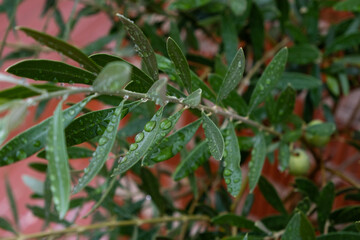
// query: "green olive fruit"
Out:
[299,163]
[316,140]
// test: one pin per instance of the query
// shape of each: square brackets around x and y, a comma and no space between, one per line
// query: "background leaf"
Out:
[63,47]
[324,204]
[269,79]
[180,63]
[256,164]
[113,77]
[271,196]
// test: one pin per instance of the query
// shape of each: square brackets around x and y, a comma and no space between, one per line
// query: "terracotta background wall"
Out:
[86,31]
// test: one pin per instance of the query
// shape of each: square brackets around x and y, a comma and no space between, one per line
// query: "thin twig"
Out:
[109,224]
[343,177]
[246,80]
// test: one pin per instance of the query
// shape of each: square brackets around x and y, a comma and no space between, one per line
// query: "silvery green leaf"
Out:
[142,46]
[113,77]
[214,137]
[232,158]
[102,151]
[58,166]
[233,75]
[194,99]
[157,92]
[269,79]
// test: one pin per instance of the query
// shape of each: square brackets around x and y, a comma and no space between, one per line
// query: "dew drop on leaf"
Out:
[103,140]
[165,124]
[133,147]
[150,126]
[139,137]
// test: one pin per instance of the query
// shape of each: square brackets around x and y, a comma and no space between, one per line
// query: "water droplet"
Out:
[21,154]
[236,180]
[56,200]
[103,140]
[37,143]
[268,81]
[230,189]
[117,112]
[139,137]
[227,180]
[71,112]
[24,140]
[124,159]
[227,172]
[113,119]
[165,124]
[150,126]
[133,147]
[225,154]
[261,87]
[110,128]
[126,97]
[225,163]
[86,170]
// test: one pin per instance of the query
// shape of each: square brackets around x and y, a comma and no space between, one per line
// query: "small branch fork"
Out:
[110,224]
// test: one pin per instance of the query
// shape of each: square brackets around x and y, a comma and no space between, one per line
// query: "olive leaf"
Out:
[233,75]
[142,46]
[63,47]
[192,161]
[143,141]
[58,165]
[194,99]
[232,158]
[113,77]
[180,63]
[214,137]
[171,145]
[102,151]
[157,92]
[33,139]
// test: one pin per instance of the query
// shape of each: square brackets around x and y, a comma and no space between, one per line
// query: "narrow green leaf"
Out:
[276,222]
[12,202]
[5,225]
[233,75]
[308,188]
[271,196]
[73,152]
[284,155]
[299,228]
[285,104]
[229,35]
[233,220]
[304,54]
[344,82]
[214,137]
[42,213]
[321,129]
[140,81]
[348,5]
[180,63]
[166,126]
[62,47]
[20,92]
[194,99]
[157,92]
[142,46]
[232,158]
[51,71]
[171,145]
[345,215]
[165,65]
[324,204]
[143,141]
[58,166]
[113,77]
[192,161]
[339,236]
[256,164]
[269,79]
[333,85]
[32,140]
[102,151]
[93,124]
[344,42]
[299,81]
